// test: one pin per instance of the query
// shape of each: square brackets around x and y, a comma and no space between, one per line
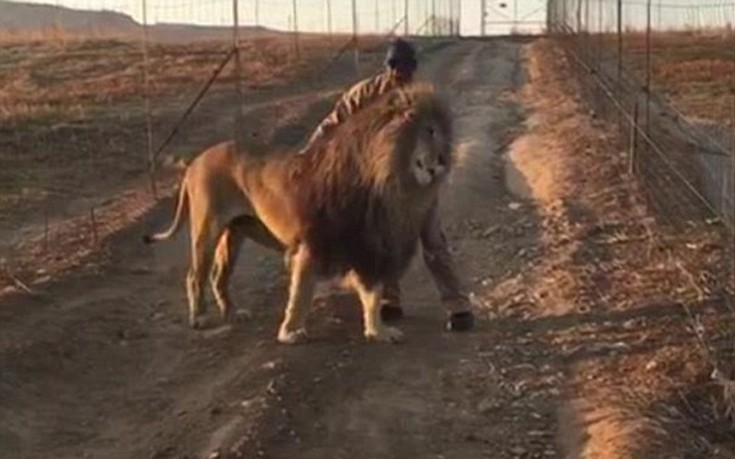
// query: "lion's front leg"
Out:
[301,294]
[371,299]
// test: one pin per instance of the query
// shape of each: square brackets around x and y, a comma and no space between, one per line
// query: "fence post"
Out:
[620,43]
[587,22]
[483,16]
[600,42]
[730,231]
[329,19]
[355,47]
[296,29]
[633,145]
[619,86]
[451,18]
[238,69]
[648,67]
[405,18]
[377,17]
[147,104]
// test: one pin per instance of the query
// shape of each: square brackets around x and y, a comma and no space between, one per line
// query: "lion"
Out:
[351,209]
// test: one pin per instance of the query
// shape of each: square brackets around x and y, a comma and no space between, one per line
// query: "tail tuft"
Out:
[147,239]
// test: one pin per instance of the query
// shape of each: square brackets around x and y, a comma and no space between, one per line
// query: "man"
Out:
[400,68]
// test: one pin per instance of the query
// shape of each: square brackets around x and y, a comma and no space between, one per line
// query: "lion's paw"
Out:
[297,336]
[385,335]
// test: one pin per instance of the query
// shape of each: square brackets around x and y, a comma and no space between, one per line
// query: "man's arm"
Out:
[350,102]
[342,109]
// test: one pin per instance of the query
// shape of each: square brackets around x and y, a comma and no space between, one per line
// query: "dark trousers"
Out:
[439,261]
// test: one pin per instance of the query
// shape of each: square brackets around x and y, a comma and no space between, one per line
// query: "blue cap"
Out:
[401,55]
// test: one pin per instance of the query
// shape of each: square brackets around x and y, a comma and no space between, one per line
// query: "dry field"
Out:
[651,314]
[695,71]
[81,103]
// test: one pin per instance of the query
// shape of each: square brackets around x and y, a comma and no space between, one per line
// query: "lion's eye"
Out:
[431,131]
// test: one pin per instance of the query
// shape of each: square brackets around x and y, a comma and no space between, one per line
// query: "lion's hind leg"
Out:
[204,238]
[225,258]
[227,254]
[371,296]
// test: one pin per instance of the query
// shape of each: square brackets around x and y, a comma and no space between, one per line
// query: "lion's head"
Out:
[425,137]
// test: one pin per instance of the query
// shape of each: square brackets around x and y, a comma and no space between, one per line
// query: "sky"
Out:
[312,15]
[381,15]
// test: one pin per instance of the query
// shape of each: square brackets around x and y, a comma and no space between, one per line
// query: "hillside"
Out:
[27,17]
[39,21]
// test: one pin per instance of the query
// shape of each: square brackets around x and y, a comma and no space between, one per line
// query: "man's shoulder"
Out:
[371,82]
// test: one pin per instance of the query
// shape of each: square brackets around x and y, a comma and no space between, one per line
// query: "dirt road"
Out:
[102,364]
[442,395]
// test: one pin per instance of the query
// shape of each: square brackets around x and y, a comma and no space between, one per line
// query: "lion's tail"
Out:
[181,207]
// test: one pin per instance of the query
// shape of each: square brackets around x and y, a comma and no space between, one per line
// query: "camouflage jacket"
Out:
[356,98]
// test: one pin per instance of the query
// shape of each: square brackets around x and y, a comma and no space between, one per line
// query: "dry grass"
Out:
[41,79]
[695,71]
[73,111]
[626,281]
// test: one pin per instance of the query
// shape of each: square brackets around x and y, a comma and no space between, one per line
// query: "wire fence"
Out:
[663,73]
[668,72]
[96,105]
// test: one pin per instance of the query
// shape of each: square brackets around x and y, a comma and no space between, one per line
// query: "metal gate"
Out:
[510,17]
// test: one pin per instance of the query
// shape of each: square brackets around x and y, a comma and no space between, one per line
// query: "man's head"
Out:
[401,60]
